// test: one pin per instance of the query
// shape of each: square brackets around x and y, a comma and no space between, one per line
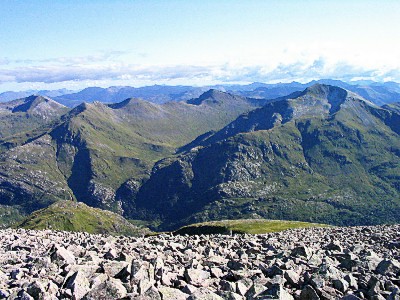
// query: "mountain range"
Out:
[10,95]
[97,153]
[324,154]
[377,92]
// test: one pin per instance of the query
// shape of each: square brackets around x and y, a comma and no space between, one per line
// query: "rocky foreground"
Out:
[315,263]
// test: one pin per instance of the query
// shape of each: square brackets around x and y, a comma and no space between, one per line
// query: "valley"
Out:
[323,155]
[199,150]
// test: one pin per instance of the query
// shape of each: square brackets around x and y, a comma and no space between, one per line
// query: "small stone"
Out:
[196,277]
[372,260]
[62,256]
[110,289]
[227,286]
[350,297]
[111,254]
[115,268]
[292,278]
[395,294]
[334,246]
[340,284]
[308,293]
[216,272]
[36,289]
[22,295]
[204,294]
[302,251]
[276,291]
[16,274]
[168,293]
[273,271]
[374,285]
[153,294]
[230,295]
[352,281]
[98,279]
[388,266]
[189,289]
[242,286]
[317,282]
[255,290]
[78,284]
[4,294]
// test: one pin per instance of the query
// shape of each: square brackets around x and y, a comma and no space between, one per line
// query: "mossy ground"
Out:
[74,216]
[250,226]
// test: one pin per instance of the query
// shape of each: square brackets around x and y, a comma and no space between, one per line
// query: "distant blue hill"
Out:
[377,92]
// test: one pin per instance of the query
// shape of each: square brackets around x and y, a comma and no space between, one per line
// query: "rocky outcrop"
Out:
[314,263]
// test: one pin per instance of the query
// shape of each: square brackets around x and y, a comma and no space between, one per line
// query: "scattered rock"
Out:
[314,263]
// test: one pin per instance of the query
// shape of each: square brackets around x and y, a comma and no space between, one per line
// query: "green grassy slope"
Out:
[75,216]
[250,226]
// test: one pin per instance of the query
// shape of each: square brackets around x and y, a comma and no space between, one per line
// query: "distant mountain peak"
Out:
[139,108]
[211,93]
[37,105]
[214,96]
[336,96]
[128,102]
[333,95]
[26,104]
[78,109]
[324,90]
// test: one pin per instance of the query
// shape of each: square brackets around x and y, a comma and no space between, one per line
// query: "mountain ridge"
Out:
[277,170]
[327,99]
[321,155]
[97,153]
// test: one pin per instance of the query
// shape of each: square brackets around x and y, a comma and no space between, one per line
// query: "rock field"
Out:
[315,263]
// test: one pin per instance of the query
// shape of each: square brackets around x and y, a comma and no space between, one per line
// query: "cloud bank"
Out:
[107,68]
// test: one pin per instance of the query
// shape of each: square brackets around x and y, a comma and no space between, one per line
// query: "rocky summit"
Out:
[313,263]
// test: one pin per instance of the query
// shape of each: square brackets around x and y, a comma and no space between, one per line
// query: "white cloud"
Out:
[100,57]
[108,69]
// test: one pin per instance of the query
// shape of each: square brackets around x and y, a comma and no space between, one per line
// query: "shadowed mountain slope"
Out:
[325,156]
[393,107]
[99,154]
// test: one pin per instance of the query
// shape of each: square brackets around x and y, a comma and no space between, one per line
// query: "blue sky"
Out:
[74,44]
